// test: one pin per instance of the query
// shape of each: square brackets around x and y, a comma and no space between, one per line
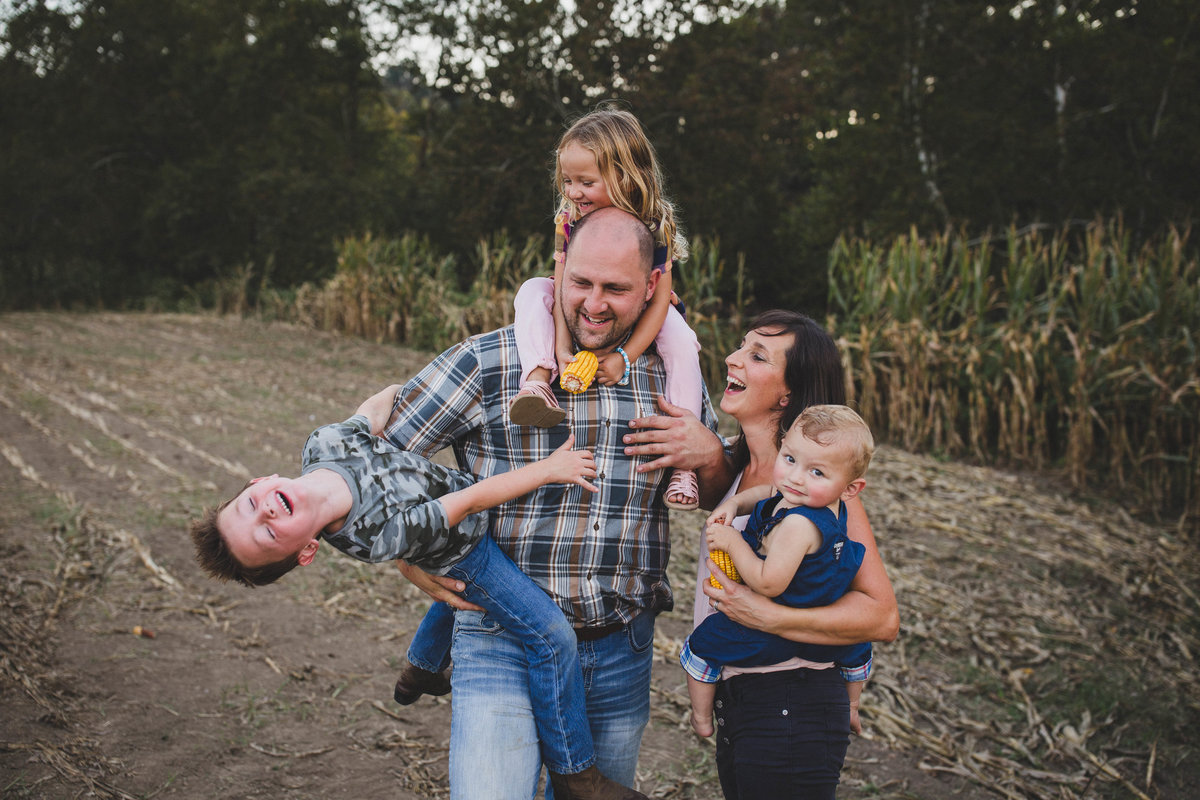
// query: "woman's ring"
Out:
[717,604]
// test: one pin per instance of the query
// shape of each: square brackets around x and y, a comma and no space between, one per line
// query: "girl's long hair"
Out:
[631,173]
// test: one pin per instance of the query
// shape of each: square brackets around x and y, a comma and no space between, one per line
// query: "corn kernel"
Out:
[577,377]
[726,564]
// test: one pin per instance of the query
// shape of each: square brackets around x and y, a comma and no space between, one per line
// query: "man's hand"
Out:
[438,587]
[378,408]
[676,436]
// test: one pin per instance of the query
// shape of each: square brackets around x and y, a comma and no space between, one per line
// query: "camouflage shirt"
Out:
[395,512]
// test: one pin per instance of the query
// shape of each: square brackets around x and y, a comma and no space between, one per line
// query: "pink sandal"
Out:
[683,484]
[535,405]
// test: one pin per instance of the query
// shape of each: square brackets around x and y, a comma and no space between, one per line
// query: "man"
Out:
[601,557]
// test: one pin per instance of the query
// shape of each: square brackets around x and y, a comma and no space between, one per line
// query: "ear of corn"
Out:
[577,377]
[726,564]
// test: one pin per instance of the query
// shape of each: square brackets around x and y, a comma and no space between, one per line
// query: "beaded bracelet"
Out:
[624,378]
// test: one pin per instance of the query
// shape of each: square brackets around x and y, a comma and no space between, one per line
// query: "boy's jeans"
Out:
[493,736]
[546,652]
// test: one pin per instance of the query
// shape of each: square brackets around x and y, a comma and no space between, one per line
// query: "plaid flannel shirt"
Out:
[602,557]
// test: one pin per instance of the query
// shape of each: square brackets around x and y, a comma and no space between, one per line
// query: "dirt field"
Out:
[1047,644]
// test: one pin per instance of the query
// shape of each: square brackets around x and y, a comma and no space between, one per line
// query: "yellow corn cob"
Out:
[726,564]
[577,377]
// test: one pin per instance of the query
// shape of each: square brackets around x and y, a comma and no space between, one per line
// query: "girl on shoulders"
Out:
[604,159]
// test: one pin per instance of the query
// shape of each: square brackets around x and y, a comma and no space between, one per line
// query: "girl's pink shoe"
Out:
[684,489]
[535,405]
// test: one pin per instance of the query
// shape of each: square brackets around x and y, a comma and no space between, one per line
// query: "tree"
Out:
[171,141]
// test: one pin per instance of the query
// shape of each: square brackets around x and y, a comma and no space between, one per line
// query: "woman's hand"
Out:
[438,587]
[739,602]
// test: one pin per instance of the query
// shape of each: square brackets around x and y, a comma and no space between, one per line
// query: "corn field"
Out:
[1072,352]
[399,290]
[1069,352]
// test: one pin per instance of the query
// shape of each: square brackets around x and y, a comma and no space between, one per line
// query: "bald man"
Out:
[602,558]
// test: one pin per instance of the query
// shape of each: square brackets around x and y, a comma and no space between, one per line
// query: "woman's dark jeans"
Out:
[782,735]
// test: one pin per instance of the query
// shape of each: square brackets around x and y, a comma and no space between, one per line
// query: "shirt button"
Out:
[785,712]
[596,526]
[607,422]
[601,475]
[720,704]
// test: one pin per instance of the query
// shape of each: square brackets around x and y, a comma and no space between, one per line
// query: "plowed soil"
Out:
[115,430]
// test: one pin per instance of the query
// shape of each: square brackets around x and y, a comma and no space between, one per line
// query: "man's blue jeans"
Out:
[493,734]
[546,650]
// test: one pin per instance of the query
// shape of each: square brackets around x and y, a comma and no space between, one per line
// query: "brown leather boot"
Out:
[590,785]
[414,682]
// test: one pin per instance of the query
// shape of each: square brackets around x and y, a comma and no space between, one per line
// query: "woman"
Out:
[773,739]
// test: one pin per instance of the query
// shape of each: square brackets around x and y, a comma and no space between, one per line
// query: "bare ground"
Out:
[1047,647]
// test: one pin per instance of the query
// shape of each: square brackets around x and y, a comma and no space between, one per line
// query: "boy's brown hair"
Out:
[214,557]
[823,423]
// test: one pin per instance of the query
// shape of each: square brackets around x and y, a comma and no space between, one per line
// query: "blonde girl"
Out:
[604,159]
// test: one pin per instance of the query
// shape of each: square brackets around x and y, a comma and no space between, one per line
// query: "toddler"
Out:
[794,549]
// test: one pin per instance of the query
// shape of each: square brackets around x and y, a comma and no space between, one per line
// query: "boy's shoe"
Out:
[535,405]
[414,682]
[683,486]
[590,785]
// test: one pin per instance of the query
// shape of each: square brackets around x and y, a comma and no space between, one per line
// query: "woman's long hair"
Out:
[813,372]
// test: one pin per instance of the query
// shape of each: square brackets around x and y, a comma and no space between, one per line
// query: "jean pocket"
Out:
[476,622]
[641,632]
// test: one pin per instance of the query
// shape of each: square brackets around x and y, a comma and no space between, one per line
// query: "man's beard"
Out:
[617,335]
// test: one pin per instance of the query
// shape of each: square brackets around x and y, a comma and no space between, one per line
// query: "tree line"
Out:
[149,149]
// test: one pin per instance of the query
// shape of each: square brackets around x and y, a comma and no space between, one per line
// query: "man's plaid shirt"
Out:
[602,557]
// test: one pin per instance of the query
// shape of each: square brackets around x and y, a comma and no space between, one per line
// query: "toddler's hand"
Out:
[572,466]
[564,360]
[721,537]
[723,514]
[611,369]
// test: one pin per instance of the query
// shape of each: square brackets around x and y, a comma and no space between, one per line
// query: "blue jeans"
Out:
[547,651]
[493,732]
[430,645]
